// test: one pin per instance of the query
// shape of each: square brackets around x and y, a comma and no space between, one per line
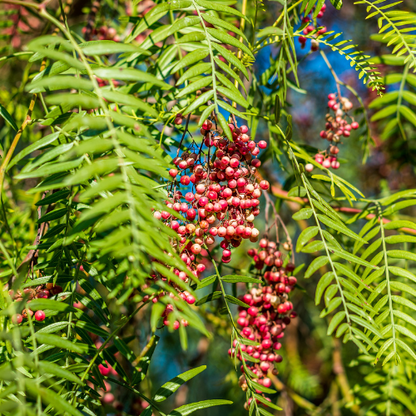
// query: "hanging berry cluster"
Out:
[338,124]
[217,193]
[39,292]
[268,314]
[310,28]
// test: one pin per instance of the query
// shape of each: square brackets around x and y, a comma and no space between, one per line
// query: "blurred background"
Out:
[311,360]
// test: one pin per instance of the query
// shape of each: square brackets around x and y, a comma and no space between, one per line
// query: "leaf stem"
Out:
[334,74]
[386,264]
[400,99]
[328,254]
[242,27]
[211,55]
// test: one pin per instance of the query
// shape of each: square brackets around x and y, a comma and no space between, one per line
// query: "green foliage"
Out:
[390,23]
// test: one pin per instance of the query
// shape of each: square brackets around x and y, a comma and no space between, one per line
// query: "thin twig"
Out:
[337,80]
[183,135]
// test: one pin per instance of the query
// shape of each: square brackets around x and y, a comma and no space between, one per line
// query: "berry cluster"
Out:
[40,292]
[178,119]
[310,28]
[224,199]
[219,198]
[268,314]
[336,127]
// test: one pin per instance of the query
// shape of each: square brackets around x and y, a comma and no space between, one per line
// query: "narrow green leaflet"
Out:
[189,59]
[339,227]
[209,298]
[335,321]
[59,342]
[172,385]
[130,100]
[305,236]
[239,279]
[352,258]
[8,118]
[58,371]
[187,409]
[323,283]
[108,47]
[195,86]
[202,99]
[130,74]
[39,144]
[194,71]
[315,265]
[49,397]
[219,7]
[229,40]
[231,58]
[236,301]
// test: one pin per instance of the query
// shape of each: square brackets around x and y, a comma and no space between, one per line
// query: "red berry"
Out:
[190,299]
[40,316]
[104,370]
[185,180]
[262,144]
[264,185]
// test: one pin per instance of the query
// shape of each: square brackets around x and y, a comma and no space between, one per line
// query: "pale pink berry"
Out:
[309,167]
[326,163]
[335,164]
